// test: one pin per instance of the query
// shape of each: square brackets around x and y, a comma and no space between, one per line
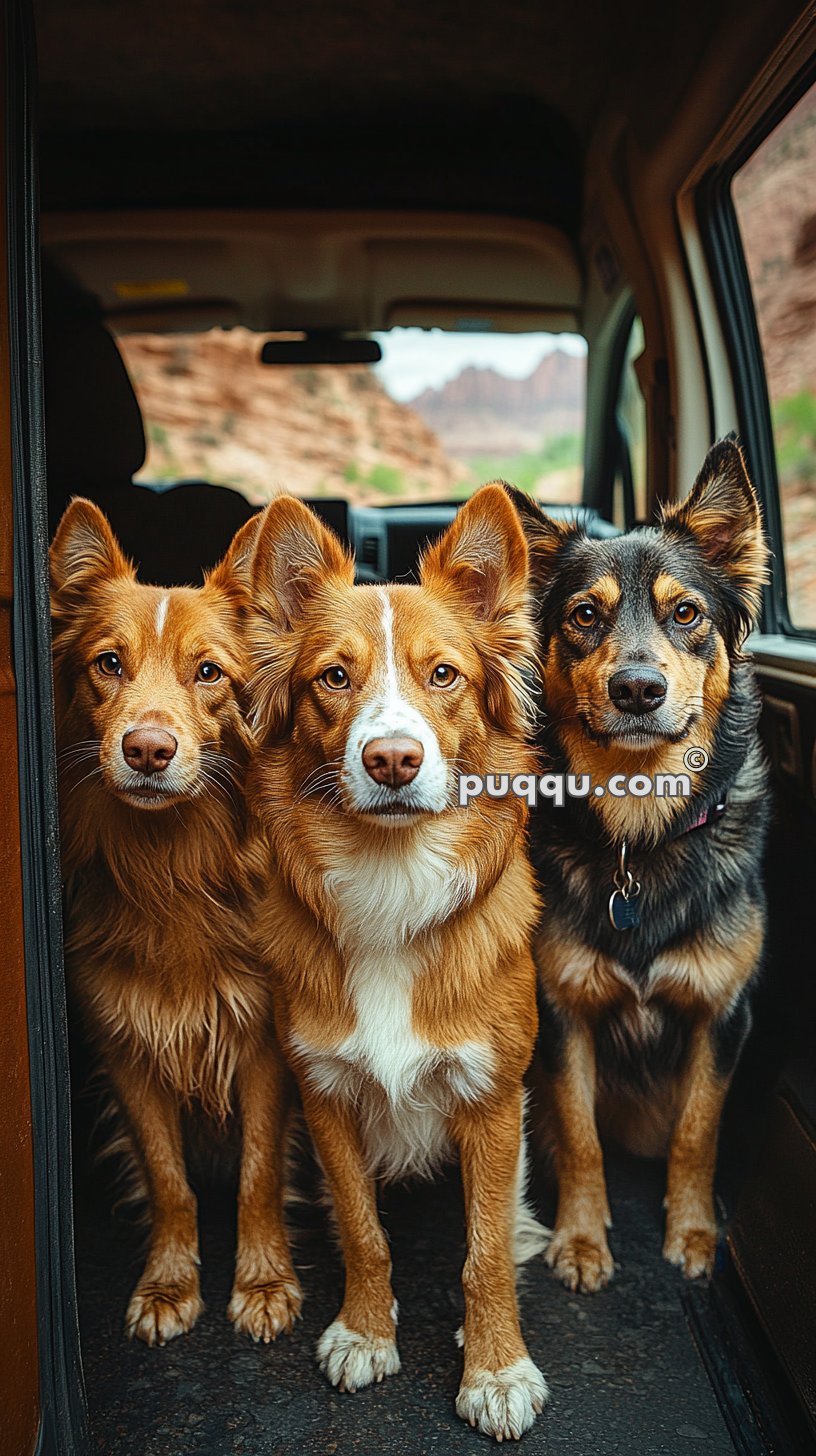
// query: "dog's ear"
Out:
[482,563]
[233,574]
[722,514]
[293,553]
[482,557]
[546,537]
[84,551]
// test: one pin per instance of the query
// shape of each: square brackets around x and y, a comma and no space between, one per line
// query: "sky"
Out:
[414,359]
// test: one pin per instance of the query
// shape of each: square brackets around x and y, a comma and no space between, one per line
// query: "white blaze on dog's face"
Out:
[388,692]
[393,763]
[149,679]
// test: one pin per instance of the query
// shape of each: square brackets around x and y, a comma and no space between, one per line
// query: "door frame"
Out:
[63,1429]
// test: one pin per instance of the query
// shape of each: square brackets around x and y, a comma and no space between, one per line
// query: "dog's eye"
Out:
[209,672]
[336,678]
[444,676]
[685,614]
[109,664]
[584,615]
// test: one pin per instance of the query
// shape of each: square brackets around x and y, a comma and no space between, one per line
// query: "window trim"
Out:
[725,258]
[599,488]
[625,460]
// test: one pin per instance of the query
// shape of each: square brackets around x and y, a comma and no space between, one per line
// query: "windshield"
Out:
[439,415]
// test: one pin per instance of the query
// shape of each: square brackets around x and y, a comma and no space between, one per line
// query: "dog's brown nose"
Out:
[148,750]
[393,761]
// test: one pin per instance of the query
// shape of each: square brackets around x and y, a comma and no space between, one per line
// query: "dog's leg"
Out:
[691,1225]
[502,1391]
[359,1347]
[266,1295]
[166,1301]
[578,1251]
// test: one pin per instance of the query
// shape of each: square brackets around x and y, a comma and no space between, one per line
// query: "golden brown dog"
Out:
[398,927]
[162,871]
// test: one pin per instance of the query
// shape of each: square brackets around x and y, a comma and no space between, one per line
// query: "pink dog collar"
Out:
[708,816]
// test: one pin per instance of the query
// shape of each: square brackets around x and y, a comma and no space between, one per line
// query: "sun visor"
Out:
[174,318]
[480,318]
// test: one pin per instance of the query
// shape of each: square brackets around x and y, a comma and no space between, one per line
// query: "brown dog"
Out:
[162,871]
[399,926]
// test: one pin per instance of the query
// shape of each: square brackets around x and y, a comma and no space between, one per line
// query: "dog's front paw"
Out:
[582,1261]
[351,1360]
[691,1247]
[503,1403]
[159,1312]
[264,1311]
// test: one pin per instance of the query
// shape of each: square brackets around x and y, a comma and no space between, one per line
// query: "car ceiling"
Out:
[450,104]
[222,65]
[181,141]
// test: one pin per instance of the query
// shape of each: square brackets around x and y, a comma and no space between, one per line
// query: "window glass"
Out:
[442,413]
[775,199]
[631,417]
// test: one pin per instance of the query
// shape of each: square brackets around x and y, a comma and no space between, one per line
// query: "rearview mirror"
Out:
[321,348]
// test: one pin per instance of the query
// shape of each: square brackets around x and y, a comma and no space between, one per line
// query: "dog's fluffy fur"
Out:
[162,870]
[642,1027]
[398,925]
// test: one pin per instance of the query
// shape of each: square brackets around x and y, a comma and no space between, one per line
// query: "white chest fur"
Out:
[402,1085]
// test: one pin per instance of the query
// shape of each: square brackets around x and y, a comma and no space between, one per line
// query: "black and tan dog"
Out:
[641,647]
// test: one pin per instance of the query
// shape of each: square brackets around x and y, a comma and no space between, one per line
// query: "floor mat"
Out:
[623,1370]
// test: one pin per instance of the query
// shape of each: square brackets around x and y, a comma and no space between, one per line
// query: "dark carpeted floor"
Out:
[624,1373]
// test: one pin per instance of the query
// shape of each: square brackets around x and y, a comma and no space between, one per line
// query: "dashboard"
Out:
[388,540]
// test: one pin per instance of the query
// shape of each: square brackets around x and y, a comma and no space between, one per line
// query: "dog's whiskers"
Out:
[324,777]
[95,771]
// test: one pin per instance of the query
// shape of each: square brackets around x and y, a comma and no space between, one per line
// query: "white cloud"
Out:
[416,359]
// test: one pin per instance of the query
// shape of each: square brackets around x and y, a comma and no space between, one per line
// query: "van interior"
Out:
[568,248]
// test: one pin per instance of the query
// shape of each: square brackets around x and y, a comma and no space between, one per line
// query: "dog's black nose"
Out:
[637,689]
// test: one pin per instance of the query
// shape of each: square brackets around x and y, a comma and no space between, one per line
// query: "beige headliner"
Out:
[352,271]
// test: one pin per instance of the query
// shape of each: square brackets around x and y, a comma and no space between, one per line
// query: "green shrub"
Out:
[528,470]
[794,424]
[387,479]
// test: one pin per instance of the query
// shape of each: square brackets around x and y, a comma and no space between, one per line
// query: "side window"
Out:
[629,502]
[774,196]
